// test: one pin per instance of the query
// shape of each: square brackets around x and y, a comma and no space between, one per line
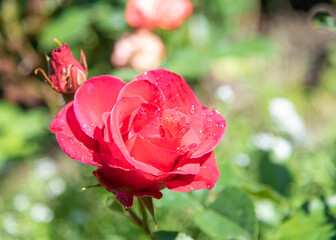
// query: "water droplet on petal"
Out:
[209,186]
[192,109]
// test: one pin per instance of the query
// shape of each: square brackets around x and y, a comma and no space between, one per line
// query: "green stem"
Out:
[143,211]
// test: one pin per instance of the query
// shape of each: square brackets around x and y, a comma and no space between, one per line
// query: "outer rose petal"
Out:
[213,130]
[177,93]
[128,184]
[133,181]
[92,99]
[206,178]
[75,143]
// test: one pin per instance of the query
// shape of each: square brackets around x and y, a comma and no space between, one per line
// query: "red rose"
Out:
[144,135]
[150,14]
[66,74]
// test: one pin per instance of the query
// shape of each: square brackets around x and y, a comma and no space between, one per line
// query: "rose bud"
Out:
[66,74]
[150,14]
[141,50]
[146,135]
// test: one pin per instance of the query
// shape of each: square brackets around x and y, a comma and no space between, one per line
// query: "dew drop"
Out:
[209,186]
[210,120]
[192,109]
[84,125]
[178,168]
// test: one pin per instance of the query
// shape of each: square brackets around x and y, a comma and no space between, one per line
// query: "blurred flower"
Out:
[281,148]
[66,74]
[9,223]
[41,213]
[225,93]
[150,14]
[141,50]
[331,201]
[56,187]
[265,211]
[21,202]
[286,118]
[45,168]
[243,159]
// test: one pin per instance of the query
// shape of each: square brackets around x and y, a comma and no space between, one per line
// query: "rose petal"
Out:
[111,155]
[116,179]
[75,143]
[123,109]
[145,89]
[212,133]
[206,178]
[178,94]
[150,154]
[93,98]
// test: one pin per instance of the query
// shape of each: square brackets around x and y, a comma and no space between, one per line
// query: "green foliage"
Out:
[305,226]
[236,206]
[21,132]
[71,27]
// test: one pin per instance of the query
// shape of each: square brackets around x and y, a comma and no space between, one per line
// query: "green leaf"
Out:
[261,191]
[148,202]
[305,226]
[178,200]
[220,227]
[235,206]
[167,235]
[164,235]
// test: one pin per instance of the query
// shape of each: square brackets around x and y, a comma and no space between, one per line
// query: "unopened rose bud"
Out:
[66,74]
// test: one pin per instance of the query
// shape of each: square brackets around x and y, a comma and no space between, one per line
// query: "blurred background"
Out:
[269,66]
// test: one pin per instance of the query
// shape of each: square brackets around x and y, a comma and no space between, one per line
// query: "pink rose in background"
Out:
[66,74]
[150,14]
[141,50]
[143,136]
